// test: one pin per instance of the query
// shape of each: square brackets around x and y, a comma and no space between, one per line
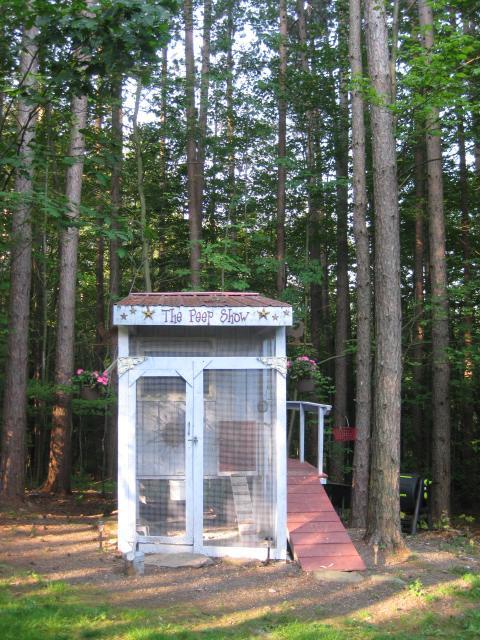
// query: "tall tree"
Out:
[141,189]
[194,213]
[203,106]
[383,526]
[342,303]
[282,146]
[12,462]
[116,187]
[59,468]
[361,454]
[441,464]
[418,355]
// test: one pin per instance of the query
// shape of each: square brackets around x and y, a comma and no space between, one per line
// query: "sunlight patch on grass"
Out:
[59,611]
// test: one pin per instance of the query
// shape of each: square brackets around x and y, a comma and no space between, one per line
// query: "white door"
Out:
[164,442]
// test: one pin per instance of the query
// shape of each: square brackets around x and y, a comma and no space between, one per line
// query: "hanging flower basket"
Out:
[87,393]
[302,371]
[306,385]
[90,385]
[344,434]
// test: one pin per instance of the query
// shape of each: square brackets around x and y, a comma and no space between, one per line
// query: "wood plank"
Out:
[320,549]
[309,508]
[324,537]
[317,516]
[312,527]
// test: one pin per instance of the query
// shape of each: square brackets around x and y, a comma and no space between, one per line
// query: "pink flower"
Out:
[95,374]
[102,380]
[79,372]
[105,373]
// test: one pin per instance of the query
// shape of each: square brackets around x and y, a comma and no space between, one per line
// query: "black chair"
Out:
[414,490]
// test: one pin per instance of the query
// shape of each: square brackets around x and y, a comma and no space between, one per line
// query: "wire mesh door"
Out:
[164,459]
[239,482]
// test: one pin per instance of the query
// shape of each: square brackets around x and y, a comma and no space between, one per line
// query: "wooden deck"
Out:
[316,534]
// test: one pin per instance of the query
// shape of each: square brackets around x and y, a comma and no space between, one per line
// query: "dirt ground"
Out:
[59,540]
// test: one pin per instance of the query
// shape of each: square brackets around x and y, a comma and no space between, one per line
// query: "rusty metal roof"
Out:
[201,299]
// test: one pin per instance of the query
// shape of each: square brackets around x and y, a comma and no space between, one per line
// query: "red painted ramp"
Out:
[317,536]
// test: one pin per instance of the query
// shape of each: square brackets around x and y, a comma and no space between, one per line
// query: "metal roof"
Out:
[200,299]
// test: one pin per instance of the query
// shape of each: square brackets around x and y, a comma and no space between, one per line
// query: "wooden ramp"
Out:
[316,534]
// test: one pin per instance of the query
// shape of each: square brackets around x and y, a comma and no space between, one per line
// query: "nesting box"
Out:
[201,426]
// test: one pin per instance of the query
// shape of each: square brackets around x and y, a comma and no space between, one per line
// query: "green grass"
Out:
[34,609]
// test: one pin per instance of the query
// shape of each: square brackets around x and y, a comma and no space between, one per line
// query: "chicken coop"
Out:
[202,424]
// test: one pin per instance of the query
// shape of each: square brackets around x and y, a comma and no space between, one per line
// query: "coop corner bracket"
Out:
[278,363]
[127,363]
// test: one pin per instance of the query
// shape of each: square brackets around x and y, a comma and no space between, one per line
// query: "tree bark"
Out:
[422,445]
[361,456]
[59,468]
[116,189]
[115,277]
[468,431]
[194,213]
[12,461]
[141,190]
[383,526]
[230,122]
[342,306]
[203,110]
[441,465]
[282,147]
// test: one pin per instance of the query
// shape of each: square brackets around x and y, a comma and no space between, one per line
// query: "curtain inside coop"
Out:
[239,458]
[160,443]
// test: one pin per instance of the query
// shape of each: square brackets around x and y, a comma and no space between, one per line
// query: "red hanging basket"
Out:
[344,434]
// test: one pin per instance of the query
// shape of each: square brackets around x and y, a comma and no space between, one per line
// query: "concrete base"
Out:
[345,577]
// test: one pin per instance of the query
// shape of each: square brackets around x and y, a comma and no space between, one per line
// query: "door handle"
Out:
[194,440]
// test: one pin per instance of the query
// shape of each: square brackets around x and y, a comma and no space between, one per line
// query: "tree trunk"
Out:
[100,328]
[342,306]
[59,468]
[115,278]
[116,188]
[141,190]
[363,416]
[383,527]
[422,445]
[12,461]
[230,122]
[282,147]
[468,430]
[441,466]
[194,213]
[203,111]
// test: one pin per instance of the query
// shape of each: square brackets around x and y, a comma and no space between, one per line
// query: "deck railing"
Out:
[322,410]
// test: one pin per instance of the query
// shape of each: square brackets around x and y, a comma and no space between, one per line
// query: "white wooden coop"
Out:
[202,423]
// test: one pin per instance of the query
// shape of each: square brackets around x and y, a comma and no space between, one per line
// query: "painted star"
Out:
[123,316]
[263,313]
[286,312]
[275,317]
[148,313]
[133,311]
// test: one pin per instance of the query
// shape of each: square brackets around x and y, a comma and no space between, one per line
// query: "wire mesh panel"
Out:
[239,458]
[160,429]
[202,341]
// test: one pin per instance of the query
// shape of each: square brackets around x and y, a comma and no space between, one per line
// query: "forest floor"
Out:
[56,583]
